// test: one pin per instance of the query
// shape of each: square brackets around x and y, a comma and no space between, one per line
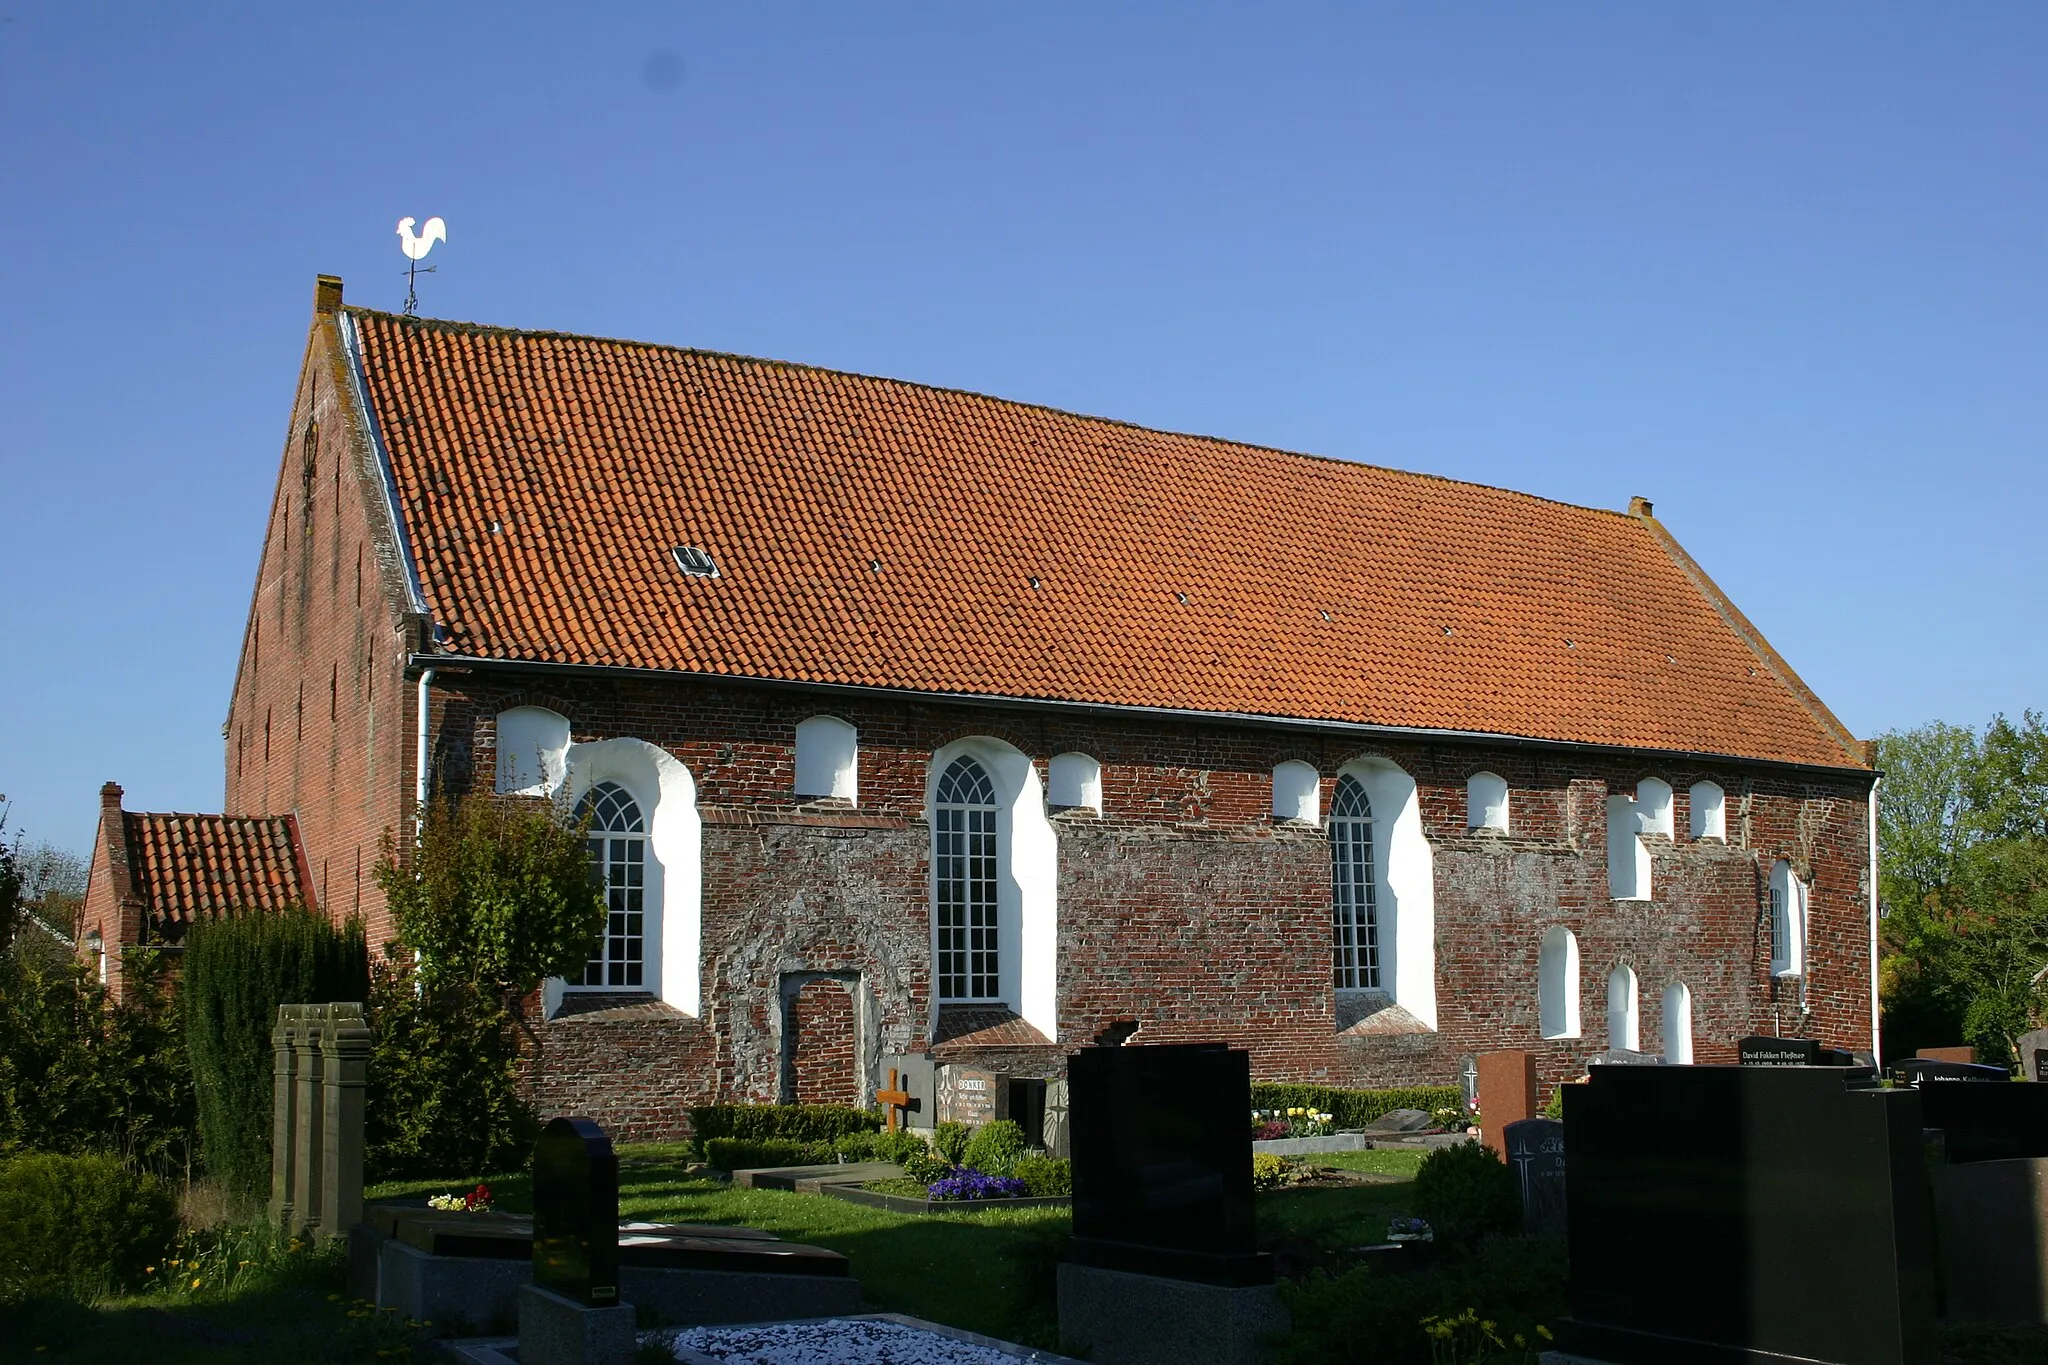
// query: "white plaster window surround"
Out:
[828,759]
[1297,792]
[1026,880]
[533,746]
[1486,802]
[1075,783]
[1789,897]
[1678,1023]
[1653,806]
[1628,860]
[1557,983]
[1709,811]
[1403,886]
[672,876]
[1623,1025]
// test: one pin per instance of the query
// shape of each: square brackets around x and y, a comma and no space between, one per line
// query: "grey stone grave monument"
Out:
[571,1313]
[1747,1213]
[2034,1055]
[321,1059]
[1536,1156]
[1163,1265]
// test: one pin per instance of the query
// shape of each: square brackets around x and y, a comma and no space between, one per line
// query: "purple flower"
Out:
[967,1183]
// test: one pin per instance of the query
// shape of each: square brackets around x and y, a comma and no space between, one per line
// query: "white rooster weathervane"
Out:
[416,249]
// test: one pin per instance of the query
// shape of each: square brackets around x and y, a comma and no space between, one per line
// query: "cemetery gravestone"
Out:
[1163,1265]
[1536,1156]
[916,1076]
[344,1073]
[1507,1094]
[1965,1055]
[2034,1055]
[1920,1070]
[576,1212]
[1717,1213]
[571,1314]
[320,1064]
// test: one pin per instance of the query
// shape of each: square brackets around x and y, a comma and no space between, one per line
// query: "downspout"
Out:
[1876,1013]
[420,771]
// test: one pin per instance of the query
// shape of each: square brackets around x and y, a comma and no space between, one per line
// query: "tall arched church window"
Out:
[964,866]
[618,863]
[1355,920]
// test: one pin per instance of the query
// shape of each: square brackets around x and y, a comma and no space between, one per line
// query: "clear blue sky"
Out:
[1779,268]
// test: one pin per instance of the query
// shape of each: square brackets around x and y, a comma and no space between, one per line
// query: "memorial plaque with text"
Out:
[1536,1156]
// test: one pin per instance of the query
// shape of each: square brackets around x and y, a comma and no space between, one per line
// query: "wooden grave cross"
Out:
[896,1098]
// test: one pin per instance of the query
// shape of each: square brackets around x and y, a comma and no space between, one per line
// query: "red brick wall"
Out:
[823,1067]
[1187,909]
[320,720]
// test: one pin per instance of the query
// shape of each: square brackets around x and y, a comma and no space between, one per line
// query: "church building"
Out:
[923,729]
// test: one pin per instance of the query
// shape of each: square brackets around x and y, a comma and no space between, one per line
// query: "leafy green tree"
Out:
[1963,847]
[498,893]
[496,897]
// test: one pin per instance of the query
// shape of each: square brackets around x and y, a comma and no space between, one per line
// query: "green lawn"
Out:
[987,1271]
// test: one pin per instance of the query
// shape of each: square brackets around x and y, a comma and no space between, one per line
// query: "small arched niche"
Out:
[1486,802]
[1074,783]
[1678,1023]
[1709,811]
[533,747]
[1557,983]
[1653,806]
[827,759]
[1297,792]
[1623,1028]
[1788,921]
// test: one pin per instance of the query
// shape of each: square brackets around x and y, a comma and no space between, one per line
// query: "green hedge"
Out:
[238,970]
[78,1226]
[1355,1108]
[825,1123]
[740,1154]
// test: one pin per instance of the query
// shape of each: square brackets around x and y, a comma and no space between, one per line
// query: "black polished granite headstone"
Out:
[1162,1152]
[576,1212]
[2006,1121]
[1535,1150]
[1759,1051]
[1747,1213]
[1918,1070]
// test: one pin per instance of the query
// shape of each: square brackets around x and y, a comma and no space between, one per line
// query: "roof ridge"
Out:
[543,334]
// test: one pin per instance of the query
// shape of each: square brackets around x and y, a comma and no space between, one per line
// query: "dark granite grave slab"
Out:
[1760,1051]
[1919,1070]
[1536,1156]
[1747,1213]
[1989,1122]
[688,1246]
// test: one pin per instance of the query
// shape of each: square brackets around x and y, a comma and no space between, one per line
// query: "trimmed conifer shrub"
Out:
[238,970]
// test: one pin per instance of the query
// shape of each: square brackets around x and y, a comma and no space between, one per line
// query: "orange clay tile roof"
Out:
[875,532]
[191,867]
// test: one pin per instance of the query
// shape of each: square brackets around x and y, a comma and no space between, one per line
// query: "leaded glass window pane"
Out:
[618,863]
[964,877]
[1354,918]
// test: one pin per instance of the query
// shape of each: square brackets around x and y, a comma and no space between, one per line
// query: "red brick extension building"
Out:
[924,720]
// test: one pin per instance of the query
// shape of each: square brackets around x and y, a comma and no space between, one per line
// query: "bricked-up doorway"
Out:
[821,1040]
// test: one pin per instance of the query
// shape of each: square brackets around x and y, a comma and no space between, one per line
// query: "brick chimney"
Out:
[326,294]
[129,906]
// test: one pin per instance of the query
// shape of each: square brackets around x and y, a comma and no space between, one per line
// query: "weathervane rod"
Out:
[415,249]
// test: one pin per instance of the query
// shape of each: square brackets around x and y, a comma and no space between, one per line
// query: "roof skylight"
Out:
[695,562]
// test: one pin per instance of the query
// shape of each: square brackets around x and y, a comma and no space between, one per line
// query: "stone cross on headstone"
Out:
[1470,1075]
[1536,1155]
[576,1213]
[895,1099]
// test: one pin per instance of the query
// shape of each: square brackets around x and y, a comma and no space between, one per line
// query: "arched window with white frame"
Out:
[1486,802]
[617,838]
[1623,1030]
[1354,908]
[965,859]
[1709,811]
[1557,983]
[1678,1023]
[1788,921]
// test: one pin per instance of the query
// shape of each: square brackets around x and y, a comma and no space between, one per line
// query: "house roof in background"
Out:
[872,532]
[193,867]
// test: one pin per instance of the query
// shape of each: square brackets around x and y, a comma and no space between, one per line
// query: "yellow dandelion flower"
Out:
[196,1283]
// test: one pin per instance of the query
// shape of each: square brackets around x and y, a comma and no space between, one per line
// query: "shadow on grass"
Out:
[298,1323]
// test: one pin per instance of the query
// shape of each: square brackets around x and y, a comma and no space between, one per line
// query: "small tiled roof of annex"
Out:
[193,867]
[881,533]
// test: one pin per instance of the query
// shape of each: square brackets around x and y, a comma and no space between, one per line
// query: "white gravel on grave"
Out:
[833,1342]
